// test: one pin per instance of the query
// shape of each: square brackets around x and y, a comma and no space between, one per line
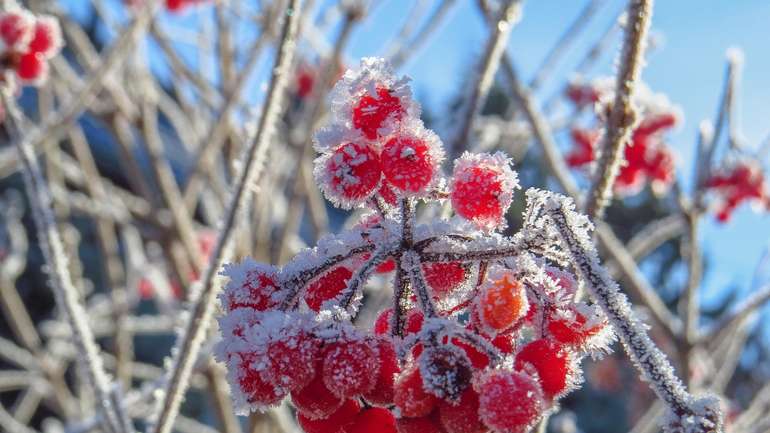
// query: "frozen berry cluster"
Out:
[484,332]
[647,158]
[27,43]
[741,179]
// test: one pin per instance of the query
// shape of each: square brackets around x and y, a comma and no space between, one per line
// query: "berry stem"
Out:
[362,274]
[400,298]
[411,264]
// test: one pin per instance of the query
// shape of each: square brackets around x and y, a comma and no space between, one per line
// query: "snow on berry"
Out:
[251,285]
[16,30]
[502,302]
[509,401]
[372,100]
[554,367]
[350,174]
[410,397]
[444,278]
[411,159]
[327,287]
[350,366]
[383,390]
[482,188]
[462,416]
[446,371]
[46,37]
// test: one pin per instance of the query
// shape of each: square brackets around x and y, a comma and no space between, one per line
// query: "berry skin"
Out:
[551,363]
[509,401]
[31,68]
[410,163]
[382,323]
[16,29]
[462,416]
[350,174]
[443,278]
[256,389]
[337,422]
[327,287]
[414,320]
[446,371]
[502,303]
[371,112]
[293,361]
[482,188]
[383,391]
[350,367]
[573,331]
[315,401]
[410,396]
[424,424]
[47,38]
[252,285]
[373,420]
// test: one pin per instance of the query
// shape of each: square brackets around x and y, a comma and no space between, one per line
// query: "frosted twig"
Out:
[191,338]
[67,296]
[623,115]
[510,13]
[690,415]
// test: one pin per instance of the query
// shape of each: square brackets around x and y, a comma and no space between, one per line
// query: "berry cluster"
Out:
[485,332]
[27,42]
[647,157]
[740,180]
[171,5]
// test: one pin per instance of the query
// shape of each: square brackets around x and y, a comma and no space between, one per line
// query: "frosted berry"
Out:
[502,303]
[373,420]
[551,363]
[410,396]
[575,329]
[350,174]
[443,278]
[410,161]
[315,401]
[383,391]
[371,111]
[47,39]
[293,360]
[251,285]
[462,416]
[337,422]
[350,367]
[382,323]
[327,287]
[16,29]
[31,68]
[255,387]
[509,401]
[445,370]
[482,188]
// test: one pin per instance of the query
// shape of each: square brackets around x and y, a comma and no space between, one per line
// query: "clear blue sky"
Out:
[688,65]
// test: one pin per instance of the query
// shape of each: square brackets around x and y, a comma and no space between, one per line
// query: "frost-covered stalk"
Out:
[67,296]
[623,115]
[687,414]
[189,342]
[509,14]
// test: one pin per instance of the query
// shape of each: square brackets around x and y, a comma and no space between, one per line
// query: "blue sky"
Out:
[688,65]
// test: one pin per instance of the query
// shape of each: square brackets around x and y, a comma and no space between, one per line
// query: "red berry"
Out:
[16,29]
[31,68]
[410,396]
[350,367]
[387,194]
[414,320]
[583,152]
[509,401]
[373,420]
[410,163]
[315,401]
[327,287]
[575,329]
[371,112]
[382,323]
[462,416]
[424,424]
[502,303]
[551,363]
[337,422]
[505,343]
[382,393]
[443,278]
[252,285]
[478,359]
[47,38]
[255,387]
[350,174]
[482,188]
[293,360]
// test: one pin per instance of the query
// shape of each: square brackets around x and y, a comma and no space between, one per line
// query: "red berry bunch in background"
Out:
[175,6]
[27,43]
[647,158]
[741,180]
[483,332]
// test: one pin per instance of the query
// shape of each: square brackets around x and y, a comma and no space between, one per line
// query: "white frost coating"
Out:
[649,360]
[413,129]
[250,283]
